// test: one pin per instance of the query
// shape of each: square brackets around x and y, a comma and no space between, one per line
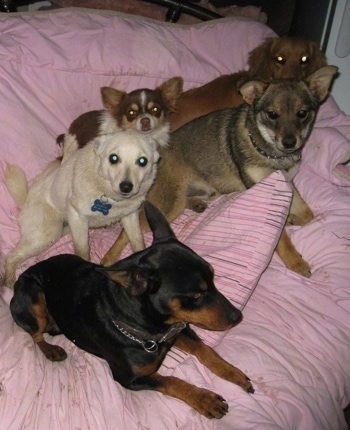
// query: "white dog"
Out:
[104,182]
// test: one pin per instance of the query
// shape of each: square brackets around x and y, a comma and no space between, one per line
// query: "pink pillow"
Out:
[237,234]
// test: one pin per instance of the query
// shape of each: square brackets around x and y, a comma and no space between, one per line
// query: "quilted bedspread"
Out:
[294,340]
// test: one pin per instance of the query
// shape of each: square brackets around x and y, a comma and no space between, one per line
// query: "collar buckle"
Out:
[149,344]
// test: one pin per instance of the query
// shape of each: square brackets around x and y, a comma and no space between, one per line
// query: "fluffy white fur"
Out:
[117,169]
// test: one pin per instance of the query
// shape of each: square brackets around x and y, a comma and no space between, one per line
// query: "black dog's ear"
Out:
[159,225]
[132,280]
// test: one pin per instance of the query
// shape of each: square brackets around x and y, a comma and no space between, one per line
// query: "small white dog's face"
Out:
[127,160]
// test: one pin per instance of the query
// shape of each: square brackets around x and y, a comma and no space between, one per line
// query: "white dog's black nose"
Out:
[126,187]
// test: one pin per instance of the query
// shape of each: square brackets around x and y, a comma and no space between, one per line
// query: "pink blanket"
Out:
[294,340]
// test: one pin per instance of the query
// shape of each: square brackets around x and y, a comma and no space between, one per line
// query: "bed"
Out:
[294,339]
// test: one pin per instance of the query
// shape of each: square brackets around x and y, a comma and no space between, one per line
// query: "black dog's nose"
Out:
[125,187]
[236,316]
[289,142]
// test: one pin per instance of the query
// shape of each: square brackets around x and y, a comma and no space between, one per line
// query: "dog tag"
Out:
[100,206]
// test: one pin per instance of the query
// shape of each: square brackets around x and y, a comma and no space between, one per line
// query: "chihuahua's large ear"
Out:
[111,98]
[159,225]
[171,90]
[132,280]
[320,81]
[251,89]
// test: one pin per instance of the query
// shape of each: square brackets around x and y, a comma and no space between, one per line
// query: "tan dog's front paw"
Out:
[299,265]
[301,219]
[196,204]
[290,256]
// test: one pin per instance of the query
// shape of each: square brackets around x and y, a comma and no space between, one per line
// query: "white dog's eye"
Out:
[142,161]
[113,158]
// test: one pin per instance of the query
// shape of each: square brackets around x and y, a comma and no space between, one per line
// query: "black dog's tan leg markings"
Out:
[206,402]
[51,352]
[209,358]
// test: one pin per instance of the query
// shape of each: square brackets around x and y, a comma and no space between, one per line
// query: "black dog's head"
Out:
[173,283]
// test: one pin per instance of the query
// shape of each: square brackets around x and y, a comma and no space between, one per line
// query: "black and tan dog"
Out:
[132,313]
[233,149]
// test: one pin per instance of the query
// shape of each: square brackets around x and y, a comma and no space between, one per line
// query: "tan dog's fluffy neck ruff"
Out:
[116,170]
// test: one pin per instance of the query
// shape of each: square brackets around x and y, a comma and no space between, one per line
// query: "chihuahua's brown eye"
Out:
[132,112]
[302,114]
[113,158]
[155,109]
[280,60]
[304,59]
[272,114]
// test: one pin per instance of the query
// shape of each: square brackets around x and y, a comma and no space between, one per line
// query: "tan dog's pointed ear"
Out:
[131,280]
[320,81]
[111,97]
[250,90]
[171,90]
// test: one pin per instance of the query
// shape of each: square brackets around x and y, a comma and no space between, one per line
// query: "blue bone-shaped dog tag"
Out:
[101,206]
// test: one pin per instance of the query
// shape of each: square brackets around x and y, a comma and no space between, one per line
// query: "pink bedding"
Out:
[294,340]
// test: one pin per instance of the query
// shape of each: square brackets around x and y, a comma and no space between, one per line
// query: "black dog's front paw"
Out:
[52,352]
[210,404]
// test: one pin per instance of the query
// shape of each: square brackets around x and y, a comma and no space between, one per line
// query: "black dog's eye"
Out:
[197,296]
[304,59]
[302,114]
[280,60]
[142,161]
[113,158]
[272,114]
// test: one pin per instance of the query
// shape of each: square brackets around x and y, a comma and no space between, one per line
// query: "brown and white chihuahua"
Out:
[144,110]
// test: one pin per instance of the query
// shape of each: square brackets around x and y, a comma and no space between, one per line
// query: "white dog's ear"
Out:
[98,143]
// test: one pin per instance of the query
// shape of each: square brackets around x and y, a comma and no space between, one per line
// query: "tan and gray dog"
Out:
[233,149]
